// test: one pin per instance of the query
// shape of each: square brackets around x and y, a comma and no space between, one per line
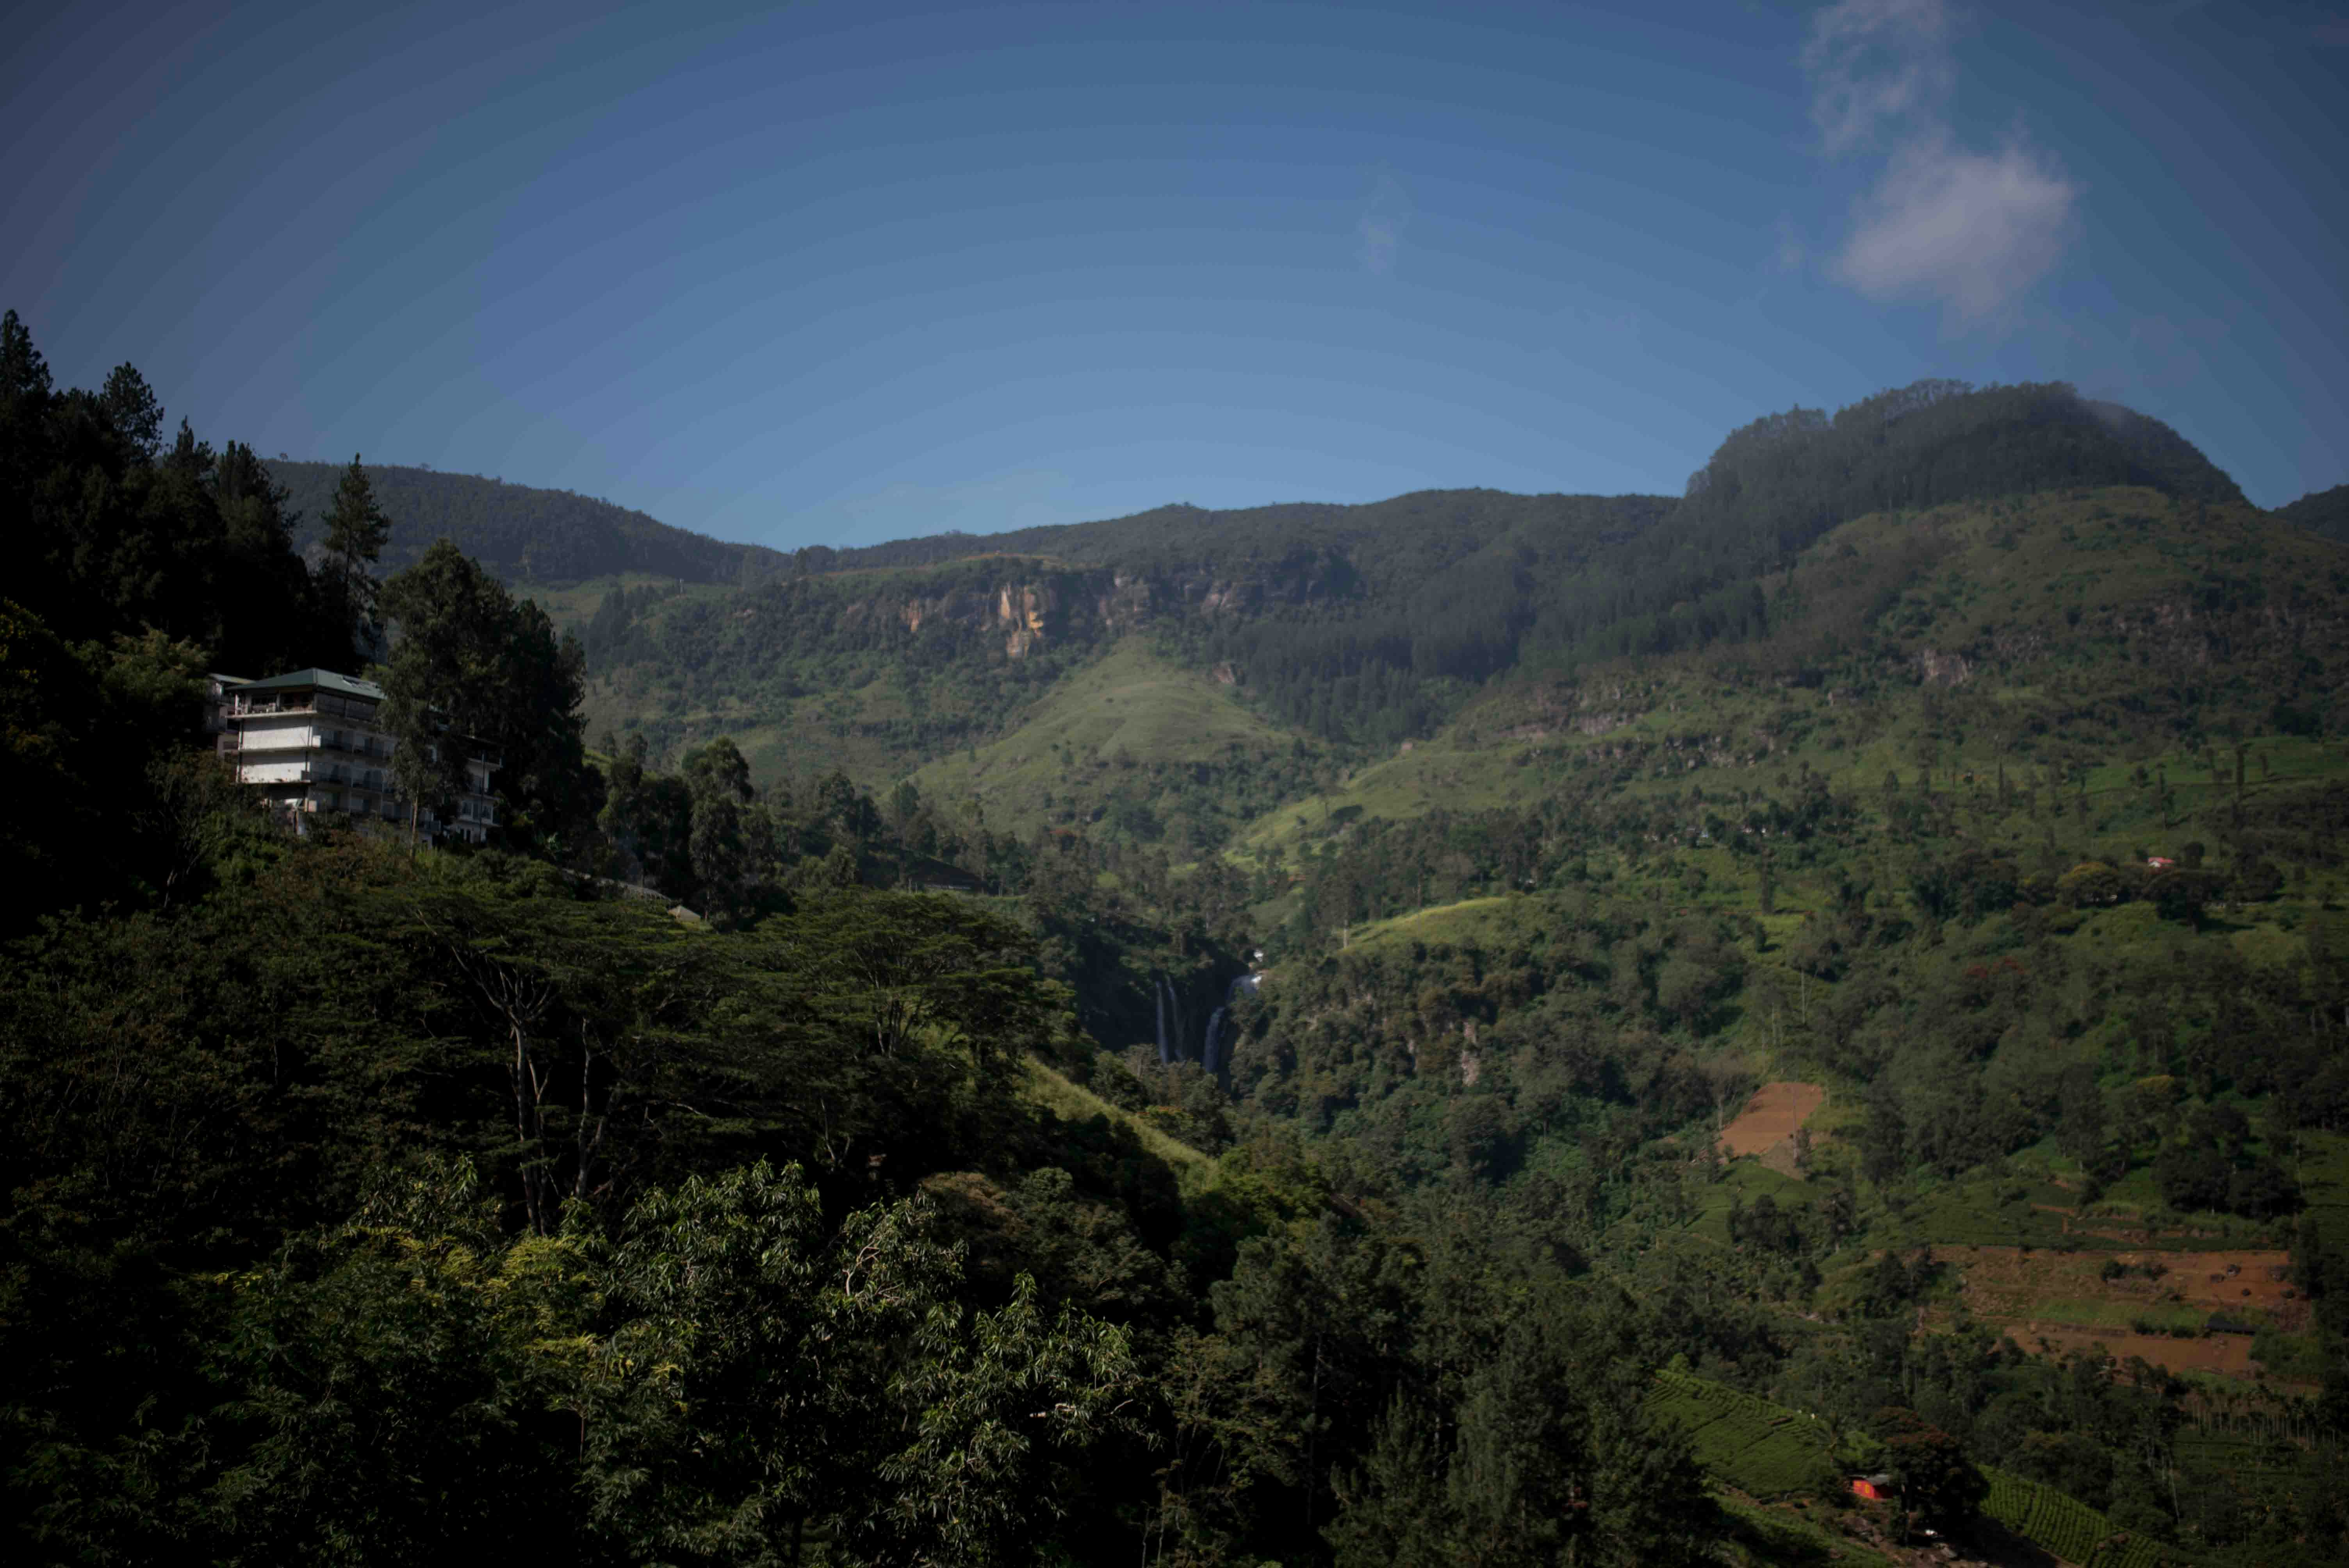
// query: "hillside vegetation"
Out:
[2324,512]
[1477,1028]
[524,534]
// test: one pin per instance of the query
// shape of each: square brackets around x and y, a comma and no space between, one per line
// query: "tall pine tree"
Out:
[356,529]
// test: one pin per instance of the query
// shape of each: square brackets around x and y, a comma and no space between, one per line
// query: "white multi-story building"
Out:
[312,741]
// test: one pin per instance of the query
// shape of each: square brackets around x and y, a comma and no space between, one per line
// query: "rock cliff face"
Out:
[1943,669]
[1046,605]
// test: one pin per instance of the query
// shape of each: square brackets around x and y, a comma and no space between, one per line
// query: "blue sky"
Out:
[846,272]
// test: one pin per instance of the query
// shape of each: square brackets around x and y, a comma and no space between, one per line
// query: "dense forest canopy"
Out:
[2321,511]
[1474,1029]
[1362,627]
[521,532]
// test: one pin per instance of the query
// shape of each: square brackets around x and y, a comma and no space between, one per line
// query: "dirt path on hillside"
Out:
[1771,1117]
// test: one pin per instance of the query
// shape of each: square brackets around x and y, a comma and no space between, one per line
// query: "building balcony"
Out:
[344,774]
[299,702]
[305,739]
[301,739]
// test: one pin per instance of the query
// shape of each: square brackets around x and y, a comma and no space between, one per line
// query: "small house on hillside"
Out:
[1874,1488]
[2158,862]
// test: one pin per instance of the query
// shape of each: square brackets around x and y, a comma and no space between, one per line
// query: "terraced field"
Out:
[1768,1451]
[2067,1526]
[1763,1450]
[2228,1475]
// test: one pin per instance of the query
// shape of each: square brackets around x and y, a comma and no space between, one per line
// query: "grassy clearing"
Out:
[2163,1317]
[1471,922]
[571,605]
[1045,1086]
[1990,1212]
[1103,729]
[1741,1181]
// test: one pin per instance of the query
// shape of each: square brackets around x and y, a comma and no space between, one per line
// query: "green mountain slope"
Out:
[2320,512]
[1173,753]
[1364,626]
[1352,628]
[524,533]
[2040,637]
[1851,968]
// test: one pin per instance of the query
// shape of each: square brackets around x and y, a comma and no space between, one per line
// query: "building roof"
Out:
[323,680]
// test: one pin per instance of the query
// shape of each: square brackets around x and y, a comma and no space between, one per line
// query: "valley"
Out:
[1837,975]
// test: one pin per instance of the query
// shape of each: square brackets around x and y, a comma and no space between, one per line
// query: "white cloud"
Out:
[1381,224]
[1974,230]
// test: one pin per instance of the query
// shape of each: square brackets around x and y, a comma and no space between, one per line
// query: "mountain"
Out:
[1352,627]
[1476,1028]
[2320,512]
[524,534]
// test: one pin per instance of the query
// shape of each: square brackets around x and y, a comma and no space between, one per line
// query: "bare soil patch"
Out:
[1771,1117]
[2220,1355]
[2064,1299]
[2008,1282]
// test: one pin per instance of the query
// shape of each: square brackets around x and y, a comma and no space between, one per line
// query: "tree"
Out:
[1729,1079]
[2192,1176]
[2082,1133]
[130,406]
[552,794]
[356,530]
[769,1374]
[1939,1486]
[472,670]
[442,682]
[389,1387]
[2180,894]
[271,614]
[732,844]
[2089,884]
[648,816]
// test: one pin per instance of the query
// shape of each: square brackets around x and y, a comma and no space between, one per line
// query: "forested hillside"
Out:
[1354,628]
[2321,511]
[1476,1030]
[521,533]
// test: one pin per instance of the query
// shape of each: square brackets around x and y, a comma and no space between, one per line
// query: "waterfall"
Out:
[1211,1054]
[1158,994]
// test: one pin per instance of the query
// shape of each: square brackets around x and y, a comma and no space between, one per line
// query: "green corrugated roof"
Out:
[323,680]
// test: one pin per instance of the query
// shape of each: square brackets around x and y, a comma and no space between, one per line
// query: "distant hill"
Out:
[1552,572]
[2320,512]
[522,534]
[1777,483]
[1354,626]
